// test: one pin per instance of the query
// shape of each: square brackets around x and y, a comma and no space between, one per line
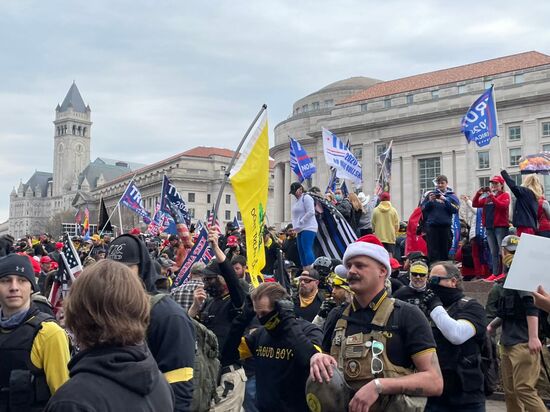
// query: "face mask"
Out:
[214,289]
[338,197]
[448,296]
[269,321]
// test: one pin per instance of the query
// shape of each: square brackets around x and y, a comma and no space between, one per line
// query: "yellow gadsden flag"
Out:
[250,181]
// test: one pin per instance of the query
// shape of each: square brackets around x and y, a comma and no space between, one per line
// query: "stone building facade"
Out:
[76,183]
[421,114]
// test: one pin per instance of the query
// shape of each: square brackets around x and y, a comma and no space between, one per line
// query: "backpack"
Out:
[206,367]
[489,358]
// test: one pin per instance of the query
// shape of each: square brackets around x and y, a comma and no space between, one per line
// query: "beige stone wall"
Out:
[427,127]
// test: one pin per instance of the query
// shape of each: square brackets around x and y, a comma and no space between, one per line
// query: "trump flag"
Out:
[480,124]
[300,162]
[337,154]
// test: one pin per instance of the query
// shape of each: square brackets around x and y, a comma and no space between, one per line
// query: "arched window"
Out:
[74,129]
[79,131]
[65,129]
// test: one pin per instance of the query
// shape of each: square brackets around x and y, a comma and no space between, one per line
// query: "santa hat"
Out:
[368,245]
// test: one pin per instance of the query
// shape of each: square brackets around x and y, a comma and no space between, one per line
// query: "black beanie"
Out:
[18,265]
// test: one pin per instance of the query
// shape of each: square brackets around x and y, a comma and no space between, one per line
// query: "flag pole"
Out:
[117,206]
[496,121]
[119,218]
[232,163]
[383,164]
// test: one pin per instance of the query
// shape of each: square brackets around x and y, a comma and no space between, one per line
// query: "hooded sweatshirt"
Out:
[113,379]
[385,222]
[169,328]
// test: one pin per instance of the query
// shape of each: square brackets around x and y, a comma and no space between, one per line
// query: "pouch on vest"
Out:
[21,391]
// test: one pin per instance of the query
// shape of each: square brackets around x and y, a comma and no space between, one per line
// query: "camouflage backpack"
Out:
[206,368]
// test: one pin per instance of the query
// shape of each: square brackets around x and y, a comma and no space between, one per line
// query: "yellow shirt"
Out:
[50,353]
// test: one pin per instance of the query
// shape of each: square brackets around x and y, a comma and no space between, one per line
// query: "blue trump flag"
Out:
[133,201]
[300,162]
[172,202]
[200,252]
[480,124]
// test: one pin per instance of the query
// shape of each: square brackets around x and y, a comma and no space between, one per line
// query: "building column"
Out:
[278,189]
[408,187]
[286,196]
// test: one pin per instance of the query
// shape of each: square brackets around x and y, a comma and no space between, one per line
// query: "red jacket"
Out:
[501,203]
[544,223]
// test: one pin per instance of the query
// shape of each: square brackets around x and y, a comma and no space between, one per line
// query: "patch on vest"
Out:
[352,368]
[313,403]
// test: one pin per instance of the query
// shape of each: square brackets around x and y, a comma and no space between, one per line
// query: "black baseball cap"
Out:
[294,187]
[125,249]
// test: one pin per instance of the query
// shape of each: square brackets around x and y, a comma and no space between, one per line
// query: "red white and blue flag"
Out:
[133,201]
[338,155]
[300,162]
[480,123]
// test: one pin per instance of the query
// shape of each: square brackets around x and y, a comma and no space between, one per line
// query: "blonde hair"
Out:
[532,182]
[355,202]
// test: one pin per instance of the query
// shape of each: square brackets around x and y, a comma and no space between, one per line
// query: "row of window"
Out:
[514,155]
[518,79]
[191,198]
[77,130]
[314,106]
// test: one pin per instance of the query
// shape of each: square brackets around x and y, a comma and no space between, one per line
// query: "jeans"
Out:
[434,406]
[249,404]
[305,247]
[494,238]
[439,241]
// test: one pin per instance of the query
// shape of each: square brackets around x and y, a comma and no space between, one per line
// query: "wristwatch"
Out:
[378,386]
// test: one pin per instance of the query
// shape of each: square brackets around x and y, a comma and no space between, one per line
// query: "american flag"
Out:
[69,267]
[209,216]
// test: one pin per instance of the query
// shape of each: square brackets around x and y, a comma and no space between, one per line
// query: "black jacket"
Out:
[113,379]
[169,328]
[525,210]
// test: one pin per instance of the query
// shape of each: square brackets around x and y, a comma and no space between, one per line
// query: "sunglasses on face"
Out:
[436,280]
[305,280]
[418,275]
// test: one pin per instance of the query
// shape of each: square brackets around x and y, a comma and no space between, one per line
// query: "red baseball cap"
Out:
[394,263]
[45,259]
[497,179]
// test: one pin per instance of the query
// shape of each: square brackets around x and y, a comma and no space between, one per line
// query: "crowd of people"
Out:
[388,327]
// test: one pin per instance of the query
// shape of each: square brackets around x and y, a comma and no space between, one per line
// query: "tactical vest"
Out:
[21,383]
[354,356]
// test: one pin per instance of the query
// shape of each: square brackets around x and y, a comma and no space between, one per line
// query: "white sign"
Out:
[530,264]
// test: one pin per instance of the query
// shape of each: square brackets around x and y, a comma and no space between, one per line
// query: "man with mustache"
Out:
[376,341]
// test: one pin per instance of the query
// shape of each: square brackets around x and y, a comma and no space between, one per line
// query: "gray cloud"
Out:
[162,77]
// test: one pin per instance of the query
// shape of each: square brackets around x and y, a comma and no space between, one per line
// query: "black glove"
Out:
[247,311]
[326,307]
[285,309]
[431,300]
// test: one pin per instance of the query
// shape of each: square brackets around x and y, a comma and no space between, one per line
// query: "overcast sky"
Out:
[165,76]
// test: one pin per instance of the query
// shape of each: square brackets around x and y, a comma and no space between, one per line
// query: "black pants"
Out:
[438,239]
